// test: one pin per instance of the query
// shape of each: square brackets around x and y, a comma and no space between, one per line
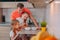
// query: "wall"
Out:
[7,13]
[37,13]
[13,4]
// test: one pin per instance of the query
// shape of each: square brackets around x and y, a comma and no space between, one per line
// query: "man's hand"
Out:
[34,21]
[38,28]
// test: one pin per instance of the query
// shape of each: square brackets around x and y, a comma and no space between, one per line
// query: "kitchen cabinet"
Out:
[1,14]
[11,0]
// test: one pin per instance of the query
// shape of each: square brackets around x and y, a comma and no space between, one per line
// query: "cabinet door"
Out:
[11,0]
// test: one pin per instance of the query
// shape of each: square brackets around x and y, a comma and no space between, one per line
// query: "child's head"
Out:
[25,16]
[15,24]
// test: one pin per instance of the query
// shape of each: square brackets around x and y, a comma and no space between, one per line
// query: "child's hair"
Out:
[14,22]
[24,13]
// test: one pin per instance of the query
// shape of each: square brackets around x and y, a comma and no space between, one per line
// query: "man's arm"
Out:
[34,20]
[31,16]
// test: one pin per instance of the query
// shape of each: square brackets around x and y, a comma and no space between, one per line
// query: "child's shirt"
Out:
[12,33]
[21,21]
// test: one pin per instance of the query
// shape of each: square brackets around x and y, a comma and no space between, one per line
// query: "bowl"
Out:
[27,28]
[34,28]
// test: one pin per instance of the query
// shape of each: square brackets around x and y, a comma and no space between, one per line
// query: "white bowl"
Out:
[27,28]
[34,28]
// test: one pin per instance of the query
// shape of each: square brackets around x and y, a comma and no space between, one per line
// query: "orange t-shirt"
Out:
[15,14]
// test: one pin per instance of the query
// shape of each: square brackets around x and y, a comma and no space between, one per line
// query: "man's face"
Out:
[25,16]
[19,9]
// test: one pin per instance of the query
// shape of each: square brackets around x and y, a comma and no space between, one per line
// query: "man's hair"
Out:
[14,22]
[21,5]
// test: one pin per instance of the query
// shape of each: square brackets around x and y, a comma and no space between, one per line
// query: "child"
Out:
[15,29]
[23,20]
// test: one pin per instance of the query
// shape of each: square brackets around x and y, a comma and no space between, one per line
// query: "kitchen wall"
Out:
[37,13]
[9,4]
[7,13]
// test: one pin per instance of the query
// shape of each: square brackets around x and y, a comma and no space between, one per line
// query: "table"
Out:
[29,31]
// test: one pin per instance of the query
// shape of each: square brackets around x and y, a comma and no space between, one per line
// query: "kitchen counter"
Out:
[29,31]
[5,24]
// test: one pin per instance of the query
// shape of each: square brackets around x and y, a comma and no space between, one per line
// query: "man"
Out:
[20,10]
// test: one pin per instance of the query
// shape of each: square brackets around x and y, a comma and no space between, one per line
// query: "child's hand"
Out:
[24,25]
[20,27]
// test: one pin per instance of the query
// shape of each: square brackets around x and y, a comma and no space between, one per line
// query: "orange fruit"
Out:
[51,38]
[33,38]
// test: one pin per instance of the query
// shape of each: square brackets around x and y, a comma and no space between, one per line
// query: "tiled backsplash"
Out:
[37,13]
